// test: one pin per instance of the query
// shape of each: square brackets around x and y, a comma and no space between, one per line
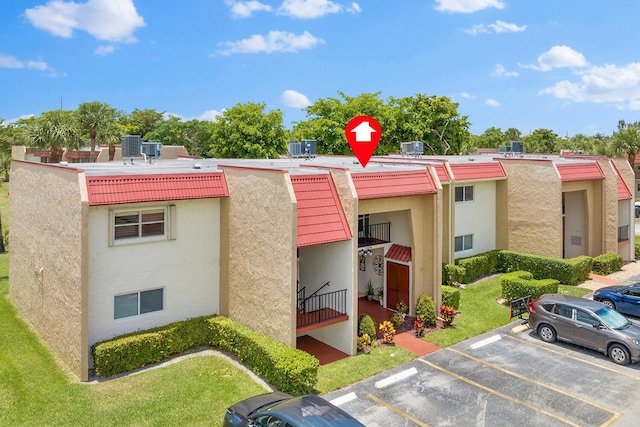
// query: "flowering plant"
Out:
[448,314]
[418,325]
[388,332]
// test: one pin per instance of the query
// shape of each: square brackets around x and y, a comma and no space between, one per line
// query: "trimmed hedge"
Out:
[478,266]
[566,271]
[606,264]
[519,284]
[451,297]
[453,273]
[366,325]
[287,369]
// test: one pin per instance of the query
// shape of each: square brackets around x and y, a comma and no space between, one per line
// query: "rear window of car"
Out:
[548,306]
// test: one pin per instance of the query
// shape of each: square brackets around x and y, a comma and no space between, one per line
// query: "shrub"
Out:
[388,332]
[364,342]
[637,251]
[366,326]
[478,266]
[397,320]
[566,271]
[606,264]
[452,273]
[418,325]
[448,314]
[287,369]
[519,284]
[451,297]
[426,308]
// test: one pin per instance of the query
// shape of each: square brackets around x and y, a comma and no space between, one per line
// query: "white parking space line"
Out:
[486,342]
[395,378]
[344,399]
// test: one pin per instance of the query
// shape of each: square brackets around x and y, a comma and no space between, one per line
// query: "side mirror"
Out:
[598,326]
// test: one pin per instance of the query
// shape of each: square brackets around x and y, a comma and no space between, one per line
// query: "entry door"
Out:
[397,284]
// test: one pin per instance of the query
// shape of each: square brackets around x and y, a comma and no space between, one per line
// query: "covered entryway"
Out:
[397,284]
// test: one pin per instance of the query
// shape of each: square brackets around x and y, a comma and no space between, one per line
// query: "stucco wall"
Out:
[425,232]
[261,259]
[187,268]
[48,270]
[530,207]
[609,224]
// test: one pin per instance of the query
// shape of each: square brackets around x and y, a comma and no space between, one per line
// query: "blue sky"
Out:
[572,66]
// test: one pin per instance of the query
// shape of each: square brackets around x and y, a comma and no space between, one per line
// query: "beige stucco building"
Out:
[285,246]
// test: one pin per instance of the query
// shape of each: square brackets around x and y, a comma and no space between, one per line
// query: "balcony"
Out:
[319,310]
[374,234]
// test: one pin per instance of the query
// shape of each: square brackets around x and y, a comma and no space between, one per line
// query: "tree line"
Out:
[248,130]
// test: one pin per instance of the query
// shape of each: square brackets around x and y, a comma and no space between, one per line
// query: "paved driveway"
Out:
[506,377]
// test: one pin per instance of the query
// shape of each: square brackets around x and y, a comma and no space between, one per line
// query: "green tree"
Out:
[491,138]
[512,134]
[626,140]
[54,130]
[541,141]
[194,135]
[328,117]
[141,122]
[246,131]
[94,118]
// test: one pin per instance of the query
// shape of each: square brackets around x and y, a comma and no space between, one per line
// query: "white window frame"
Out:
[466,197]
[138,297]
[465,238]
[168,225]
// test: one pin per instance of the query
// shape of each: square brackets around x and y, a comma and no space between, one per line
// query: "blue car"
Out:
[624,298]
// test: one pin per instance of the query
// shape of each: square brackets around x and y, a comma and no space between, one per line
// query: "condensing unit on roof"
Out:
[152,148]
[308,147]
[412,148]
[295,149]
[517,147]
[131,145]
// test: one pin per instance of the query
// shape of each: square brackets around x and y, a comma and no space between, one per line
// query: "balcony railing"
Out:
[322,307]
[374,234]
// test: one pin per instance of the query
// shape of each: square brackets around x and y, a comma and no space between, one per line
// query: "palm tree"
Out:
[95,117]
[627,139]
[54,130]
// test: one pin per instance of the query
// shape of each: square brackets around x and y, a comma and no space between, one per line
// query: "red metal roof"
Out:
[321,218]
[119,189]
[623,191]
[399,253]
[476,171]
[580,172]
[378,185]
[443,173]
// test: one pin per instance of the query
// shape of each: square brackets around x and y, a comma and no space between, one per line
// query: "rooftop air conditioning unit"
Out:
[417,147]
[295,149]
[308,147]
[413,148]
[131,145]
[517,147]
[151,149]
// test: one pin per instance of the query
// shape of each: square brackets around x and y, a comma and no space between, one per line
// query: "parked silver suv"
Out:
[586,323]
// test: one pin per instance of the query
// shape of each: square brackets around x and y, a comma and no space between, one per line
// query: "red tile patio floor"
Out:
[407,340]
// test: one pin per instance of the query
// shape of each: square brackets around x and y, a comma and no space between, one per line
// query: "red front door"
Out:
[397,284]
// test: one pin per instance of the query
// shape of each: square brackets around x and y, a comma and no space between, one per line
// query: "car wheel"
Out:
[608,303]
[547,333]
[619,354]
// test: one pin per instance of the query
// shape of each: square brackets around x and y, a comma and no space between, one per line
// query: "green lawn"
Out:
[35,391]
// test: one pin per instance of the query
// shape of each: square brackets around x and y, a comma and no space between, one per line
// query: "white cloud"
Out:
[559,57]
[8,61]
[605,84]
[466,6]
[497,27]
[310,9]
[492,103]
[275,41]
[110,20]
[293,99]
[104,50]
[466,95]
[500,71]
[209,115]
[244,9]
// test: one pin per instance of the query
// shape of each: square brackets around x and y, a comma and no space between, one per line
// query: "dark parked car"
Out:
[282,410]
[624,298]
[586,323]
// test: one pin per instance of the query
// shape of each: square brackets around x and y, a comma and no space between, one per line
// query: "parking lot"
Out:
[506,377]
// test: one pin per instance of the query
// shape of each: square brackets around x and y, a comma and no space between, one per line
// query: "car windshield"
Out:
[612,318]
